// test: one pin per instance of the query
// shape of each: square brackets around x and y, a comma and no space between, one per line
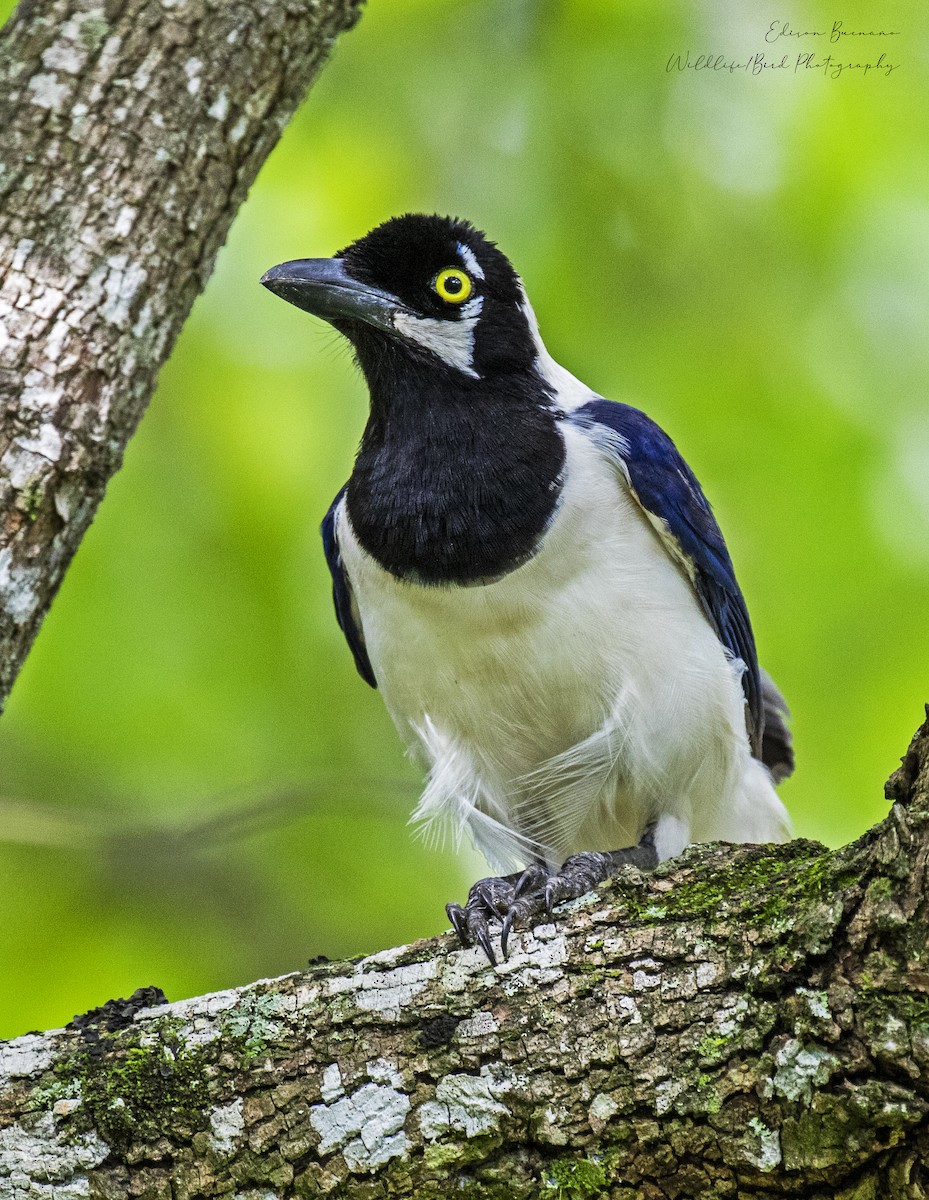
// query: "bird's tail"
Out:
[777,749]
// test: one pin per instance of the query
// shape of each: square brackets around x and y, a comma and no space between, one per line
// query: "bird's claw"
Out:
[531,880]
[528,897]
[505,930]
[521,899]
[472,925]
[459,919]
[489,900]
[525,899]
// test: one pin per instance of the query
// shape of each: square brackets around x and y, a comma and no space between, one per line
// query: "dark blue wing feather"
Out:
[342,595]
[667,489]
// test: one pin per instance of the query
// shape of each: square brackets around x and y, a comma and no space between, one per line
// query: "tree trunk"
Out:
[747,1021]
[130,132]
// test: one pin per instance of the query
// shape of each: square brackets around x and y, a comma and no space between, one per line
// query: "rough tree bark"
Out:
[748,1021]
[744,1022]
[130,132]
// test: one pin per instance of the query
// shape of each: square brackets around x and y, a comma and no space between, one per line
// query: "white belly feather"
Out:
[582,695]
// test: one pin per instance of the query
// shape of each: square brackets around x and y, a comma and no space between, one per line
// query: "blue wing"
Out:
[345,611]
[673,500]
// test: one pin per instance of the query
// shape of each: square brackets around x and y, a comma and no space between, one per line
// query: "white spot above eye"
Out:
[449,338]
[469,258]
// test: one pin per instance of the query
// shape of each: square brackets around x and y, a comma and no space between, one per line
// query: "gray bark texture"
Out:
[747,1021]
[130,132]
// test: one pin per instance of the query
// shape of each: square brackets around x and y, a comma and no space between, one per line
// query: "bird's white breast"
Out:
[562,706]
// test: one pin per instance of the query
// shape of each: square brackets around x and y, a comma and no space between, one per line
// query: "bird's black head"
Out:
[458,472]
[419,290]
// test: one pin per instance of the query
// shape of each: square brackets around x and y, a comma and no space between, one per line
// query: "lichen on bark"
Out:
[746,1021]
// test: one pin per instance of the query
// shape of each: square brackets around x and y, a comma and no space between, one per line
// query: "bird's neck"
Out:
[455,482]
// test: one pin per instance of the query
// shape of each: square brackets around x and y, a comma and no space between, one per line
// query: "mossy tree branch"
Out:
[130,132]
[747,1021]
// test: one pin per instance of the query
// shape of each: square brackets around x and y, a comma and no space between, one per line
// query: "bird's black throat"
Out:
[456,479]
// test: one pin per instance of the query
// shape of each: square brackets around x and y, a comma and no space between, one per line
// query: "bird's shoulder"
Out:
[661,482]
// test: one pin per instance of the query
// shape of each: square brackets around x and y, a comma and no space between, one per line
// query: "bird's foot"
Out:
[489,900]
[528,897]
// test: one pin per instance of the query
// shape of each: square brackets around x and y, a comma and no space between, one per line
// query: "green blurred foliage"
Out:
[204,790]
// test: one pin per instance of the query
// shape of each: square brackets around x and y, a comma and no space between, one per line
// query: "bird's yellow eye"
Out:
[453,285]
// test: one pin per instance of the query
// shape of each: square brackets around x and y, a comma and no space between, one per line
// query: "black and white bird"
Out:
[533,578]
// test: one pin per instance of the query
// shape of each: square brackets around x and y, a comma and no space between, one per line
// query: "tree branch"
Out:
[746,1021]
[130,132]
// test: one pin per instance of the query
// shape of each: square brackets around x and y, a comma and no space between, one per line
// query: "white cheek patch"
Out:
[451,340]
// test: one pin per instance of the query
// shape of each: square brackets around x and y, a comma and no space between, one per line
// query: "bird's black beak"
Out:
[323,287]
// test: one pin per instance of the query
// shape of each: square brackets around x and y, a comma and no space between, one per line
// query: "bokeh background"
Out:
[196,787]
